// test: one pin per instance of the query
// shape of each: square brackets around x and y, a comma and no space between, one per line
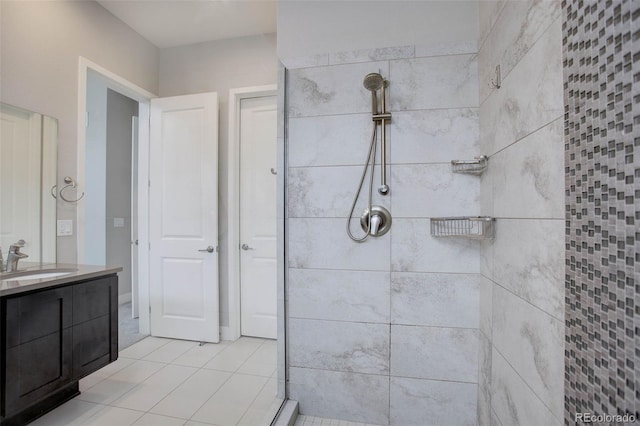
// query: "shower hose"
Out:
[371,159]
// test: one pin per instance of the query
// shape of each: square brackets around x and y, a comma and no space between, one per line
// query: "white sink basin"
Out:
[37,276]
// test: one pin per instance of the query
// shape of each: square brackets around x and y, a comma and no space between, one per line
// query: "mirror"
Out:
[28,158]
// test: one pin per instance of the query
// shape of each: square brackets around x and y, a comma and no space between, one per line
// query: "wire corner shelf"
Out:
[472,227]
[476,166]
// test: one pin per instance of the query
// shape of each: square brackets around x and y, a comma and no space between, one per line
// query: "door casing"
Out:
[232,331]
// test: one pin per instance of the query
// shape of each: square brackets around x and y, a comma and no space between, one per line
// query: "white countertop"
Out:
[73,273]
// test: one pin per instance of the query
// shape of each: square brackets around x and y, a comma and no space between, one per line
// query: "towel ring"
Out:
[70,183]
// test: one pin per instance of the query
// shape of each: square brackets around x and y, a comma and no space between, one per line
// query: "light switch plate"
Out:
[118,222]
[65,228]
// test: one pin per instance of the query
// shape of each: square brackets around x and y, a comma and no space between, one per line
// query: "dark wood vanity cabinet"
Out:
[51,339]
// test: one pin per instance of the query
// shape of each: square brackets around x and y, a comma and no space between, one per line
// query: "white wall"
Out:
[41,43]
[217,67]
[313,27]
[120,113]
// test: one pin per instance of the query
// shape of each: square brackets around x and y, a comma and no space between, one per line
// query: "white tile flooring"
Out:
[320,421]
[158,382]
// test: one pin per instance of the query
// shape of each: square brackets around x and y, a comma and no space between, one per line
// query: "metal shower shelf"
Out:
[475,166]
[473,227]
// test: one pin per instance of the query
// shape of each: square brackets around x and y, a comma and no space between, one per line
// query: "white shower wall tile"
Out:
[434,83]
[339,346]
[432,190]
[484,408]
[485,290]
[443,49]
[346,396]
[485,352]
[495,421]
[339,295]
[487,207]
[331,90]
[439,300]
[436,353]
[529,261]
[519,26]
[533,344]
[488,13]
[526,175]
[368,55]
[432,403]
[513,401]
[434,136]
[324,244]
[413,249]
[486,254]
[306,61]
[331,140]
[321,191]
[530,96]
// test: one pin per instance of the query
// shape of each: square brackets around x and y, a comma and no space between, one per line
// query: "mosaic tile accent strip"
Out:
[601,47]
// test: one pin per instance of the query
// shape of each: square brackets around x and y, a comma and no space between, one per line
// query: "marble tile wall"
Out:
[385,331]
[521,291]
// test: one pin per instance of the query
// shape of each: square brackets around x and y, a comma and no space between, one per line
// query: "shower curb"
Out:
[288,414]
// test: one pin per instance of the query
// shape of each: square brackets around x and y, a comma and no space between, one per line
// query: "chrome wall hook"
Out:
[497,82]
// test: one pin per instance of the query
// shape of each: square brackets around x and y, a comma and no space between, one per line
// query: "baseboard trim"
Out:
[124,298]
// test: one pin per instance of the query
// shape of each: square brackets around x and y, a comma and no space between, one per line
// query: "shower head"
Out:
[373,82]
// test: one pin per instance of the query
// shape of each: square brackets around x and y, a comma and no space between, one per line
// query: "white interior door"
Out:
[258,273]
[20,176]
[183,224]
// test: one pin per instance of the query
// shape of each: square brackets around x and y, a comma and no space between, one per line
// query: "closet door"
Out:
[183,228]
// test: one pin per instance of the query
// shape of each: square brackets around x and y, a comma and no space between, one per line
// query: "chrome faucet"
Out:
[14,256]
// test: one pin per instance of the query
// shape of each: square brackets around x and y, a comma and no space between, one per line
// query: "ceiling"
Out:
[170,23]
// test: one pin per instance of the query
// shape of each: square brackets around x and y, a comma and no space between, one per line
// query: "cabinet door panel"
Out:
[94,299]
[37,315]
[36,368]
[95,325]
[91,346]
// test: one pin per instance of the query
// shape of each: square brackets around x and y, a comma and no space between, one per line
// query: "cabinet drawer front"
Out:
[37,315]
[35,369]
[94,299]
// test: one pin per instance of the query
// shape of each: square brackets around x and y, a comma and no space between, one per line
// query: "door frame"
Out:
[143,97]
[232,331]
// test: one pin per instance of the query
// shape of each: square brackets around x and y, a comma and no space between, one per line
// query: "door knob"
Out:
[246,247]
[209,249]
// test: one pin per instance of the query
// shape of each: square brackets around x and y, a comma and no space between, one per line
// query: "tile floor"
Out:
[159,382]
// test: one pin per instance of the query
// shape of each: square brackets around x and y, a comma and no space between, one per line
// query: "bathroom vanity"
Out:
[59,324]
